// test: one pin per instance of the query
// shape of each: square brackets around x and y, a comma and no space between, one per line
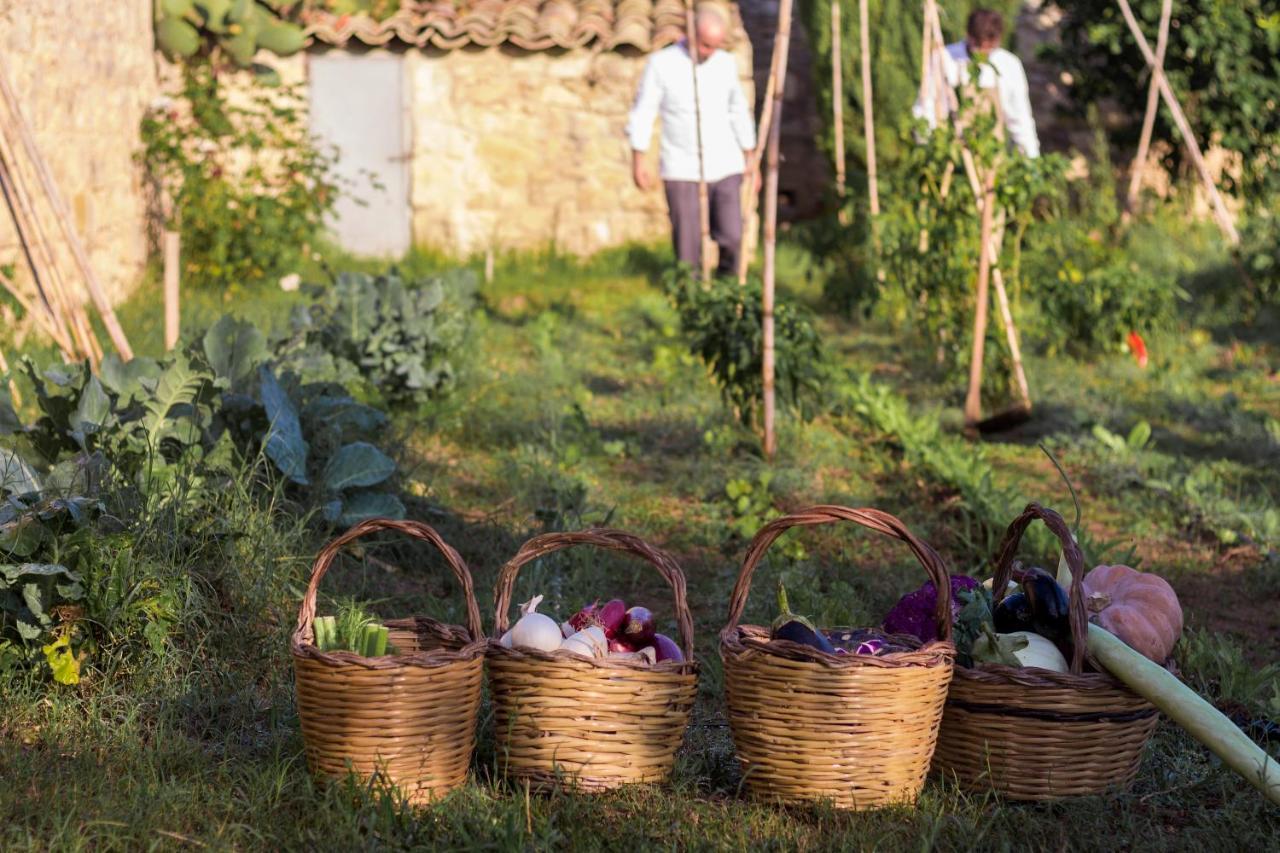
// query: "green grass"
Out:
[579,404]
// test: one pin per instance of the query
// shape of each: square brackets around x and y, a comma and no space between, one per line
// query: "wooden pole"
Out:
[1223,217]
[771,222]
[1149,118]
[750,218]
[40,312]
[172,244]
[40,259]
[868,109]
[973,399]
[15,396]
[926,58]
[1006,315]
[96,291]
[837,105]
[704,207]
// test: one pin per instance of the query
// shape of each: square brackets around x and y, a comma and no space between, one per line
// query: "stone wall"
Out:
[517,149]
[83,86]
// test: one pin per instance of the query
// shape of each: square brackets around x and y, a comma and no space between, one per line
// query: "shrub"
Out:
[724,323]
[161,439]
[1259,255]
[394,336]
[243,184]
[929,233]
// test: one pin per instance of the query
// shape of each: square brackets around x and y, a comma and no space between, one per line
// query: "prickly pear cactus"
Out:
[237,29]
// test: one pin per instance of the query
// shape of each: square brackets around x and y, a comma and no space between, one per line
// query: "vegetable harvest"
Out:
[1188,709]
[611,631]
[352,630]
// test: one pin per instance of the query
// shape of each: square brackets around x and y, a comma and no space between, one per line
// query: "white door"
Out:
[358,104]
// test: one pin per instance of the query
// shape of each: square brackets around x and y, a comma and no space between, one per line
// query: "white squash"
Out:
[1020,648]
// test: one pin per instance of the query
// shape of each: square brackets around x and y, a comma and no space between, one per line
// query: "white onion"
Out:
[505,642]
[535,630]
[589,642]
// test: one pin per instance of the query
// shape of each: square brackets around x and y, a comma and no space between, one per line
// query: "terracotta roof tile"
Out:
[527,24]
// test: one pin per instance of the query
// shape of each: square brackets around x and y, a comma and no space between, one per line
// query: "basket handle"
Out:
[874,519]
[601,537]
[1076,613]
[415,529]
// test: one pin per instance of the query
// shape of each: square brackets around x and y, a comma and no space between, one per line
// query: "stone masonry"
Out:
[515,149]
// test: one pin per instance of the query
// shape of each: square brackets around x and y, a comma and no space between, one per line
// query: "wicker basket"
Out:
[593,724]
[408,717]
[1034,734]
[856,730]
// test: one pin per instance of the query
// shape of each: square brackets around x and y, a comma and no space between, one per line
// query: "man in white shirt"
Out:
[727,131]
[1000,69]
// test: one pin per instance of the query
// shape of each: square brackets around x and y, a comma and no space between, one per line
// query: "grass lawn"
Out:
[578,404]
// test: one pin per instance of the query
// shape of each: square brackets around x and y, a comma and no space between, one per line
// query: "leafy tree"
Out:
[1223,61]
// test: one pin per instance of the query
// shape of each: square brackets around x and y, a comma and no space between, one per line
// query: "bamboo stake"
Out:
[771,223]
[751,217]
[172,255]
[973,399]
[704,207]
[15,396]
[1149,118]
[39,311]
[35,247]
[1006,316]
[96,292]
[1223,217]
[926,58]
[868,109]
[837,105]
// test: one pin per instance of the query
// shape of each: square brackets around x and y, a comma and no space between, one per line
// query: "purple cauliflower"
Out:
[913,614]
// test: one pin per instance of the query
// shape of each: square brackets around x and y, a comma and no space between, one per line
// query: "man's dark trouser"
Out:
[725,200]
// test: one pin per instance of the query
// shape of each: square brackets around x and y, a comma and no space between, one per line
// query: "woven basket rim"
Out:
[997,674]
[468,640]
[471,649]
[573,659]
[933,653]
[610,539]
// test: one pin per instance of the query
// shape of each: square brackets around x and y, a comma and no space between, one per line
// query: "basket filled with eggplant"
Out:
[601,699]
[840,715]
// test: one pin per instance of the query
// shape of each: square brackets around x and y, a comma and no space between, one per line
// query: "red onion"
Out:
[620,646]
[638,626]
[582,619]
[610,616]
[667,648]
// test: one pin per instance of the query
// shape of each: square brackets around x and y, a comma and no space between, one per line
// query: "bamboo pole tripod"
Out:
[990,237]
[1149,117]
[1223,217]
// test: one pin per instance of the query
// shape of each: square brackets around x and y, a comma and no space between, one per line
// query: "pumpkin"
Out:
[1138,607]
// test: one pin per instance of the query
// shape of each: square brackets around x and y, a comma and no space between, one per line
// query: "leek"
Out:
[1188,709]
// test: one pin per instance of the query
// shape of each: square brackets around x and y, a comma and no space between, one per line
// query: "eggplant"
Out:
[1013,614]
[1047,602]
[797,629]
